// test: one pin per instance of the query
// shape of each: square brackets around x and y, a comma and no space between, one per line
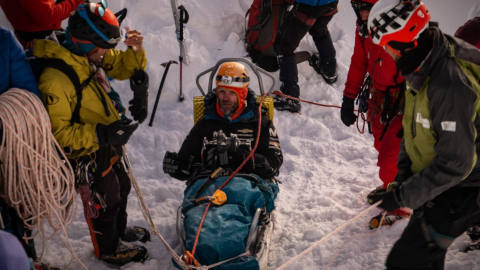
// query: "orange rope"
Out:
[278,93]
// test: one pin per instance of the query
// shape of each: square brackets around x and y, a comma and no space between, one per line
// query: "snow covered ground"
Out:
[328,168]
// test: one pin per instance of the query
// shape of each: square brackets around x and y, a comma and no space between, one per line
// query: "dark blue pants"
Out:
[312,20]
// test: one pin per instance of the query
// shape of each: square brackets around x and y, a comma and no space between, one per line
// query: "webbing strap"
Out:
[66,69]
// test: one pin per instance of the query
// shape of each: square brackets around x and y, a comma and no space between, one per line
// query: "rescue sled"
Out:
[236,233]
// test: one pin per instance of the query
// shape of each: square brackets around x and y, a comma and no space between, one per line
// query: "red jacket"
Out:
[37,15]
[371,58]
[470,32]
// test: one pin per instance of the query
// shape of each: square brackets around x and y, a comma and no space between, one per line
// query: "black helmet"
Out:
[97,24]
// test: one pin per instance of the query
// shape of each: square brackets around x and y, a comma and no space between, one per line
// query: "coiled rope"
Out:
[33,178]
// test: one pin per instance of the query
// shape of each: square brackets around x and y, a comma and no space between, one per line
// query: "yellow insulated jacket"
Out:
[59,96]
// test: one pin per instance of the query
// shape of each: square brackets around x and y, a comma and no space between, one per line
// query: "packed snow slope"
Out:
[328,168]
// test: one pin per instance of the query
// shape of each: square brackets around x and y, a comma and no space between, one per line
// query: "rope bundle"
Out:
[33,178]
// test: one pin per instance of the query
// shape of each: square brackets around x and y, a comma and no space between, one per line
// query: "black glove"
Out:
[117,133]
[390,199]
[139,104]
[402,176]
[170,162]
[346,113]
[262,166]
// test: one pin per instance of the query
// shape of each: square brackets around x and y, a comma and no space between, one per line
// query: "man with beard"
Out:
[230,110]
[438,168]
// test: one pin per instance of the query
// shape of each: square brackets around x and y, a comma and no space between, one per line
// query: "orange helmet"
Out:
[397,20]
[234,77]
[232,74]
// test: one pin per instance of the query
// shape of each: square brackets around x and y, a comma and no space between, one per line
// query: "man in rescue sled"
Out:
[223,139]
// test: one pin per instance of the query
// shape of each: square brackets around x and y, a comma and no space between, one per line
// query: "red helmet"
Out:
[397,20]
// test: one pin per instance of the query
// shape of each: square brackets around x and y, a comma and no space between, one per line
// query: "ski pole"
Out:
[183,20]
[166,65]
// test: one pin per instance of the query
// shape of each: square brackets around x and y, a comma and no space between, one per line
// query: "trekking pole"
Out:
[166,65]
[183,20]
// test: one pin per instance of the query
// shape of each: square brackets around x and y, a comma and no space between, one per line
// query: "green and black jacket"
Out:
[441,122]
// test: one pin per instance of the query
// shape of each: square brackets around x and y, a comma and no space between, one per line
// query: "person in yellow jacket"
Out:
[89,121]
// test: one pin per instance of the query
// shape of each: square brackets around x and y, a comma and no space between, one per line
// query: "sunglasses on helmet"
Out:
[100,8]
[229,79]
[359,5]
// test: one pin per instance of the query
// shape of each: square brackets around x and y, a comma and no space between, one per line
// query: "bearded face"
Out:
[228,101]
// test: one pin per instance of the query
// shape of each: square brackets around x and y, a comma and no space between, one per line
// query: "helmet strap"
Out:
[78,47]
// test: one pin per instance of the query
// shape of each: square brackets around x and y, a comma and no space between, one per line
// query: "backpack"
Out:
[39,64]
[264,20]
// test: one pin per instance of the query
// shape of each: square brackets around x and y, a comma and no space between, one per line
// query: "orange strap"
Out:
[189,259]
[112,161]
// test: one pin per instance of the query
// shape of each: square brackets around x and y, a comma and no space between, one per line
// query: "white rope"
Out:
[351,239]
[153,229]
[147,215]
[33,178]
[328,236]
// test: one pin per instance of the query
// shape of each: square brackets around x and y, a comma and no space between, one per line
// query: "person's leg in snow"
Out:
[127,233]
[305,18]
[111,222]
[325,63]
[433,228]
[388,149]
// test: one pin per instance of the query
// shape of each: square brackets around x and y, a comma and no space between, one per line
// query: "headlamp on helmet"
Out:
[232,74]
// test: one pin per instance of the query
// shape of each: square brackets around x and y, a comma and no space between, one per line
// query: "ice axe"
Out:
[183,20]
[166,65]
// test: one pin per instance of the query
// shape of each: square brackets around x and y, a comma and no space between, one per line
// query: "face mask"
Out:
[412,59]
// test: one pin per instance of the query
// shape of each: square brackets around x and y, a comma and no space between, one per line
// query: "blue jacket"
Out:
[315,2]
[12,254]
[15,71]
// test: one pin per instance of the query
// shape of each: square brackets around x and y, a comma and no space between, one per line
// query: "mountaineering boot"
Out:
[377,189]
[329,74]
[126,253]
[134,233]
[474,233]
[390,218]
[285,104]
